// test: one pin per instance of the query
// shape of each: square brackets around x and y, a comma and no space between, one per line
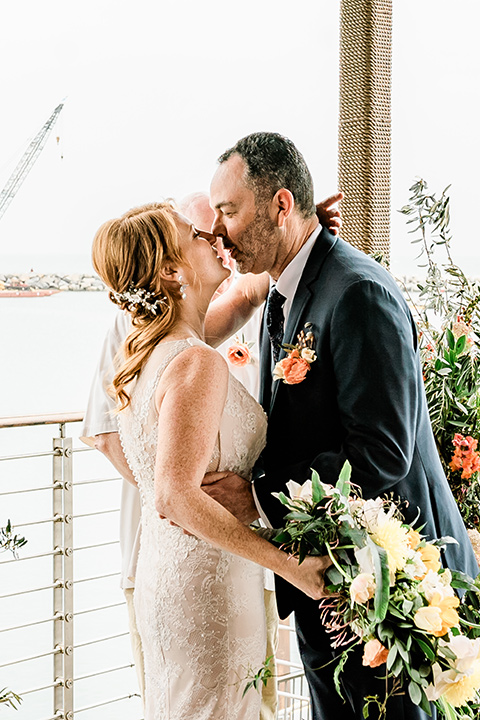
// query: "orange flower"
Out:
[292,369]
[465,457]
[374,654]
[414,538]
[431,557]
[239,354]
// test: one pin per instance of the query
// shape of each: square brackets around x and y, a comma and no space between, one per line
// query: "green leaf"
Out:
[427,648]
[401,650]
[297,515]
[460,344]
[318,493]
[343,482]
[392,656]
[382,580]
[415,693]
[450,339]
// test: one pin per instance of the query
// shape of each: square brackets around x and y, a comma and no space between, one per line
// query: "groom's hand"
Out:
[234,493]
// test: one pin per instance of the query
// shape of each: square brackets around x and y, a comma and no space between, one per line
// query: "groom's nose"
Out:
[218,228]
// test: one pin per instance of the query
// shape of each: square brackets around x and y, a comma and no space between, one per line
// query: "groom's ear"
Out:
[283,205]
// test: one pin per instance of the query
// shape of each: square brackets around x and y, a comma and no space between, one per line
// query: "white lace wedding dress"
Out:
[200,610]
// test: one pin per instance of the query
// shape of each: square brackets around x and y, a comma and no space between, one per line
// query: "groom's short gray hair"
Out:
[273,162]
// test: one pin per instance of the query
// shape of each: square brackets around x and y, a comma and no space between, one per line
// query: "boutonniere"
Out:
[293,368]
[239,352]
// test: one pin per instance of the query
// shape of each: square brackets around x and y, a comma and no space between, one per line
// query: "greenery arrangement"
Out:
[12,543]
[448,316]
[390,597]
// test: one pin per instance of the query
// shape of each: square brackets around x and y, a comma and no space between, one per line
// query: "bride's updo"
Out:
[128,254]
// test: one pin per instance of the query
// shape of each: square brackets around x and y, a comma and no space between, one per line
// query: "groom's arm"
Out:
[234,493]
[375,362]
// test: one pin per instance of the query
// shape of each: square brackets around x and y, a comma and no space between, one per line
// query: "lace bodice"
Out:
[241,435]
[199,609]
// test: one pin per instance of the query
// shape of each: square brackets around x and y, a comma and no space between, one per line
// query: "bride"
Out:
[199,593]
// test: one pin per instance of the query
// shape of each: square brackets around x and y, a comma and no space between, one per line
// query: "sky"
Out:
[157,90]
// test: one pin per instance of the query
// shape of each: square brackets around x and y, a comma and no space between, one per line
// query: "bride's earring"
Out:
[183,286]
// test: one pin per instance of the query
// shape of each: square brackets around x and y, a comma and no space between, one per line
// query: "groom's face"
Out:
[246,227]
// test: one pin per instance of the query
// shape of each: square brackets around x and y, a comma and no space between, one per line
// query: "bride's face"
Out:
[204,267]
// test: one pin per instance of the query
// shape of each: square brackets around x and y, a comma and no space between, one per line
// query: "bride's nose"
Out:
[212,239]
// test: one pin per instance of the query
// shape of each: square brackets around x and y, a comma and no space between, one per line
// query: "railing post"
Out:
[63,576]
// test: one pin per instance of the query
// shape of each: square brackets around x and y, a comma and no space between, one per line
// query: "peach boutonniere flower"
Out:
[239,352]
[293,368]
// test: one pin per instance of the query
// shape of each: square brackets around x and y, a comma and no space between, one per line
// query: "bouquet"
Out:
[448,316]
[389,594]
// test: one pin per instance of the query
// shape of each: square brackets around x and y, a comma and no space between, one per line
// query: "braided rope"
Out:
[365,122]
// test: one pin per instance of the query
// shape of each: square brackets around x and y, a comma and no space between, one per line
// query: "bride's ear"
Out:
[169,274]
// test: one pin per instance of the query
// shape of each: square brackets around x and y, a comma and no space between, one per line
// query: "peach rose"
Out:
[374,654]
[239,354]
[362,588]
[293,369]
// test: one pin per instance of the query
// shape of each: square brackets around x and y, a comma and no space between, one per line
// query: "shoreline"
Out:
[48,283]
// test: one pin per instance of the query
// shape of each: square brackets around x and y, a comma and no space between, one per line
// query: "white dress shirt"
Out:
[287,285]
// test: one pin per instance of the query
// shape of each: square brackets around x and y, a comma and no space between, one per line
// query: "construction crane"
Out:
[28,160]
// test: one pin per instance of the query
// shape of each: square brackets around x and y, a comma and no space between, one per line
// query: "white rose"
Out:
[308,354]
[414,567]
[433,584]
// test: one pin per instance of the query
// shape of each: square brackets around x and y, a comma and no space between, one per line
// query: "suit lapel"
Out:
[323,245]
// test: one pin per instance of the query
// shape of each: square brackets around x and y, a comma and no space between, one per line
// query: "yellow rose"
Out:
[439,616]
[431,557]
[429,619]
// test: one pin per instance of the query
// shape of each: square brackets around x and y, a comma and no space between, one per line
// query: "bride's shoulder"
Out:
[195,365]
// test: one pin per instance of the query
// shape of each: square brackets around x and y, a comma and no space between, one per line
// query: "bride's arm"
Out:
[190,398]
[228,314]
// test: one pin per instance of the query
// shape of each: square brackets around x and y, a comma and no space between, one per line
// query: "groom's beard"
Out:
[258,242]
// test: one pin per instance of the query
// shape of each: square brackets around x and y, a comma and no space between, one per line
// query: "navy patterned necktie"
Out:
[275,320]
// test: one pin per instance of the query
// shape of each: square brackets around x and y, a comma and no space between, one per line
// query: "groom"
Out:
[362,400]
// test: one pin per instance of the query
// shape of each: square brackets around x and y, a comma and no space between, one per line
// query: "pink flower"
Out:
[239,354]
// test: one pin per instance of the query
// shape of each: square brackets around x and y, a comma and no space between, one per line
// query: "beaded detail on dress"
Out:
[199,610]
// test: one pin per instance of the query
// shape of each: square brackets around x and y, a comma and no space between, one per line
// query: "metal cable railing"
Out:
[95,662]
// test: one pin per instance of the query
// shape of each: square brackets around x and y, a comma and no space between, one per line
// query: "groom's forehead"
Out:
[229,185]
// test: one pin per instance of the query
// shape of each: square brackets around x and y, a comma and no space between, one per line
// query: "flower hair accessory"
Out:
[293,368]
[134,297]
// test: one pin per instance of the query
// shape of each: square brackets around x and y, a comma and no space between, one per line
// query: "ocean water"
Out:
[49,350]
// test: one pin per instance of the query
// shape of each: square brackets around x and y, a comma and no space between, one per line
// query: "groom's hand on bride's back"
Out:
[233,492]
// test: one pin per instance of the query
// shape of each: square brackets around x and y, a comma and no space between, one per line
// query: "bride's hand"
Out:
[309,576]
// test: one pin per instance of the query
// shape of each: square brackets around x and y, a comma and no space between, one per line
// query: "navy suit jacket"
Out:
[362,400]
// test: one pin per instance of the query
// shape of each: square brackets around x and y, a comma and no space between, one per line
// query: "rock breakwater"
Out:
[51,281]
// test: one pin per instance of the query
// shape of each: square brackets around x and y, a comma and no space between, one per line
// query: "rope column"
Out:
[365,122]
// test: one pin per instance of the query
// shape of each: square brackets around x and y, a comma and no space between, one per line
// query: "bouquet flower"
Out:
[390,595]
[448,318]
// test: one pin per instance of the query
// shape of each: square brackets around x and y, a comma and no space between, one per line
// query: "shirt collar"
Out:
[288,281]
